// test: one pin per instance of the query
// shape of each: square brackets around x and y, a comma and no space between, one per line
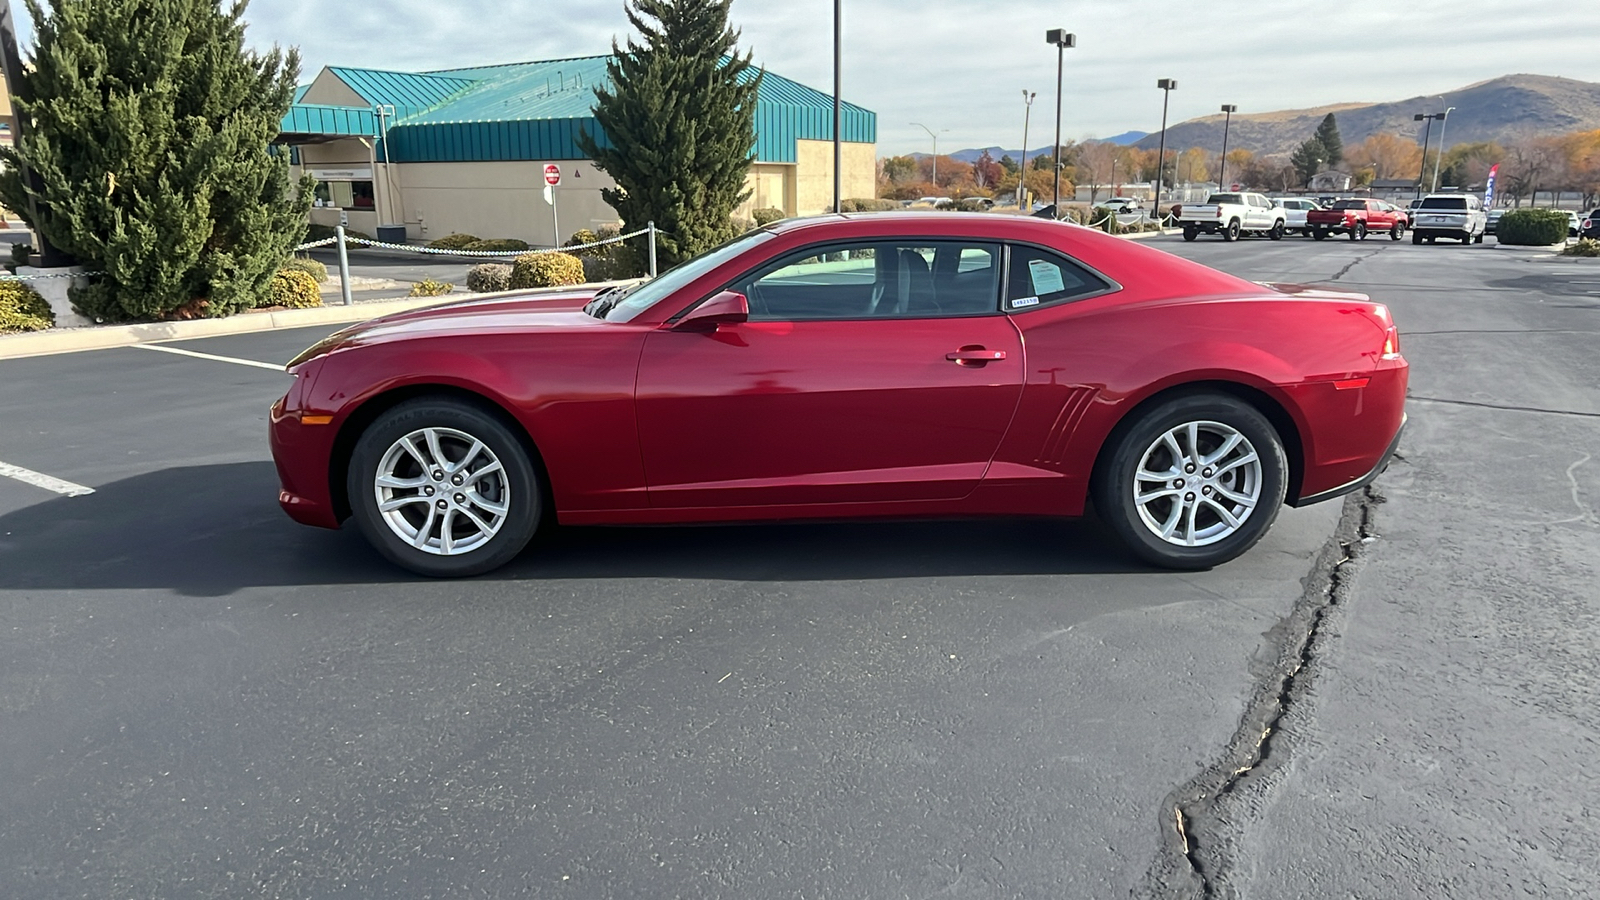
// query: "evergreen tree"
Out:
[1328,136]
[679,124]
[1308,158]
[150,131]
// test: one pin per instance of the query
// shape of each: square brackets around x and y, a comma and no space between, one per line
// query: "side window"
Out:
[1038,277]
[877,279]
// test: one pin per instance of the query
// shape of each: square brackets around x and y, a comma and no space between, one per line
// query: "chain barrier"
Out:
[9,277]
[475,254]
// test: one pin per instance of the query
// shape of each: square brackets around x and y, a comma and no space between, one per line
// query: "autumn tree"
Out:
[1193,165]
[899,169]
[986,172]
[1386,155]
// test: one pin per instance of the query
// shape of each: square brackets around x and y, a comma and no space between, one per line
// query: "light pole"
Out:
[1062,40]
[1440,156]
[1167,85]
[838,106]
[1022,174]
[1229,109]
[935,150]
[1426,132]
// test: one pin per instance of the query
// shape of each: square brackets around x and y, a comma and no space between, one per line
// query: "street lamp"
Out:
[1426,132]
[935,150]
[1166,85]
[1229,109]
[1022,174]
[1440,157]
[1062,40]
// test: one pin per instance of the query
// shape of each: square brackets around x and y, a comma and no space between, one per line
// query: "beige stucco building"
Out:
[467,150]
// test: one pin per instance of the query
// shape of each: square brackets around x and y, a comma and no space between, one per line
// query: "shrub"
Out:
[22,309]
[427,287]
[767,216]
[546,270]
[584,236]
[453,242]
[1105,220]
[497,245]
[20,253]
[1584,247]
[868,205]
[1532,227]
[608,232]
[620,265]
[742,226]
[489,278]
[309,266]
[294,289]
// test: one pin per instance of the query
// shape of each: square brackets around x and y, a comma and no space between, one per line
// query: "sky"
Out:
[960,66]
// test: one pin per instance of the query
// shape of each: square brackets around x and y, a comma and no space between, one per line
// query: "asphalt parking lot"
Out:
[199,698]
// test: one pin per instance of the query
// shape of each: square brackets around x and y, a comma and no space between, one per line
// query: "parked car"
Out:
[1294,211]
[1589,226]
[1574,221]
[1121,205]
[904,364]
[1491,219]
[1358,218]
[1456,216]
[1232,215]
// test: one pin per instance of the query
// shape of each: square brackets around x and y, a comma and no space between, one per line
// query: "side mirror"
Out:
[726,308]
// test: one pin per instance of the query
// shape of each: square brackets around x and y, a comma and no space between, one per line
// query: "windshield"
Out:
[1216,199]
[1350,204]
[627,303]
[1444,203]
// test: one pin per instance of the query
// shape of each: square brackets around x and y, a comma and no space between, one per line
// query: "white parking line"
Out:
[39,480]
[214,358]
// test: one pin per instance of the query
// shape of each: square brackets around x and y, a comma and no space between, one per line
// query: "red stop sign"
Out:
[552,174]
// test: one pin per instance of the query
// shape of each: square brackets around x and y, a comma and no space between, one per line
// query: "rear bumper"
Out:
[1363,481]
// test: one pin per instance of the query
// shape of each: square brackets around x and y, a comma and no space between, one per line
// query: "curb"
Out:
[106,337]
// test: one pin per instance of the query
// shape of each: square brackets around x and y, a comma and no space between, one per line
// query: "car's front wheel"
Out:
[443,488]
[1193,482]
[1397,232]
[1277,231]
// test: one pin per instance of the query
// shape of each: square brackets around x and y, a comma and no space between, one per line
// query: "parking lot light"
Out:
[1228,110]
[1166,86]
[1022,174]
[1062,39]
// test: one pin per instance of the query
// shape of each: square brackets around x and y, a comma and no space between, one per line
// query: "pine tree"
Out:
[151,126]
[679,124]
[1308,158]
[1328,136]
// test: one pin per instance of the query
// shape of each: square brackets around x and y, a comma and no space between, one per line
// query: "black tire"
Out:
[1397,231]
[1431,238]
[1116,478]
[1190,232]
[1359,232]
[1231,233]
[1276,234]
[1416,238]
[1478,239]
[520,480]
[1319,234]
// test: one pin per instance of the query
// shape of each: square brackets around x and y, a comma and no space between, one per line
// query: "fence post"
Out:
[344,266]
[652,227]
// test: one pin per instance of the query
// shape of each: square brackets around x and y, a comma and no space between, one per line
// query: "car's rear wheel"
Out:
[1193,482]
[1231,233]
[1190,232]
[1359,232]
[1319,234]
[1416,238]
[444,489]
[1397,232]
[1478,239]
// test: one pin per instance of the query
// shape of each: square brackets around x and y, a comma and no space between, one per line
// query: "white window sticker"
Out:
[1046,277]
[1025,301]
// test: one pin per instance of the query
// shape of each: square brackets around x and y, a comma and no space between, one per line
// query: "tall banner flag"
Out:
[1488,187]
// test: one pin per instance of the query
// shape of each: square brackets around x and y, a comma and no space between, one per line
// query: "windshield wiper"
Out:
[607,300]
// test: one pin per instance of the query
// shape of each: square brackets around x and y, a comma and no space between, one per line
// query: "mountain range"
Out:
[1500,109]
[972,155]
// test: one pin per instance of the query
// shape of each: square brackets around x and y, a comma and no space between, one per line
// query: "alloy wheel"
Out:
[1197,484]
[442,491]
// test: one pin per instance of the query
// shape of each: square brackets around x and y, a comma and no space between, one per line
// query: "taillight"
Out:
[1391,343]
[1587,223]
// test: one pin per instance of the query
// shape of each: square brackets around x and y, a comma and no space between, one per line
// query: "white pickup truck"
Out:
[1231,215]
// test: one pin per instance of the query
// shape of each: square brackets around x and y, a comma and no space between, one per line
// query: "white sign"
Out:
[342,174]
[549,195]
[552,174]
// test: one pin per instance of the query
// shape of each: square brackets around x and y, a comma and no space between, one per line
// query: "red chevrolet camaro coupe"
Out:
[890,365]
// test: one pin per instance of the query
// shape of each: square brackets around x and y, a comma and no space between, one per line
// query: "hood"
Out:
[500,313]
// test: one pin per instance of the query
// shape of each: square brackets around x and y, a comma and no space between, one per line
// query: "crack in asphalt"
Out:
[1203,857]
[1353,263]
[1506,407]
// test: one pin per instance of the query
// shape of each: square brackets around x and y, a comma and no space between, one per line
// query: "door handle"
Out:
[975,356]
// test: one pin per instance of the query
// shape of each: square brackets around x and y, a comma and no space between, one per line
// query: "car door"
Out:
[869,371]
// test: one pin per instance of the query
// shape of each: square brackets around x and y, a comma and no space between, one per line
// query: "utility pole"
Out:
[1229,109]
[1062,40]
[1022,174]
[1166,85]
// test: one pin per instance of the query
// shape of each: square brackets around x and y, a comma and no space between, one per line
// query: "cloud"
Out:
[962,64]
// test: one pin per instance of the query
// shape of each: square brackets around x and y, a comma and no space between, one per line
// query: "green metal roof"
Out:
[535,110]
[344,121]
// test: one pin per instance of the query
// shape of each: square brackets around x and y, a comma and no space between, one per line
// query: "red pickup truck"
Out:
[1357,218]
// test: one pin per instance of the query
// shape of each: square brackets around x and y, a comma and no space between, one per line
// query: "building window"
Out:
[346,195]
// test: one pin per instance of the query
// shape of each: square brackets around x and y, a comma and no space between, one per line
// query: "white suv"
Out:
[1457,216]
[1294,210]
